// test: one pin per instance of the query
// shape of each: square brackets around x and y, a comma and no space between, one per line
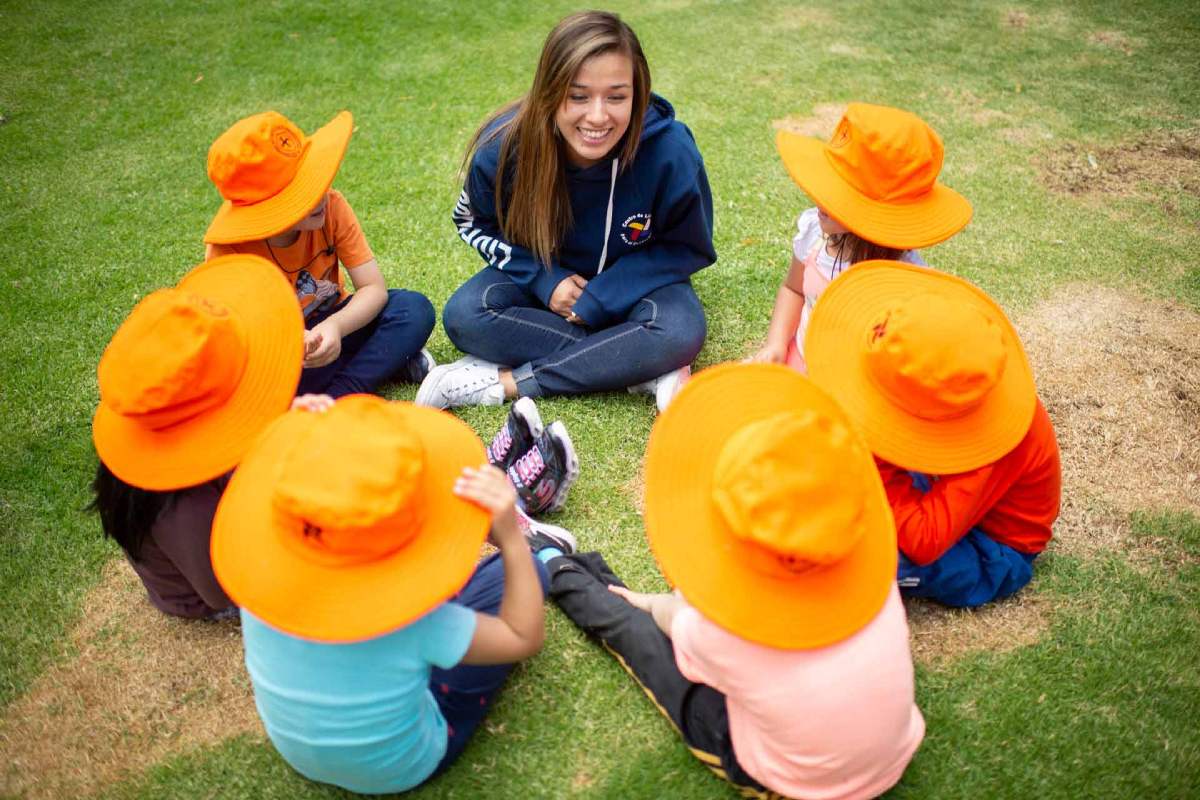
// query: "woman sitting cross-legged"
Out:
[589,202]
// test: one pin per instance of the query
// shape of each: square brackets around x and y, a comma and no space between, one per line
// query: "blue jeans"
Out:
[465,692]
[976,570]
[495,319]
[374,352]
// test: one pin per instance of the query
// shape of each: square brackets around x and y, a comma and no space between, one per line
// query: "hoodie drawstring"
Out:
[612,187]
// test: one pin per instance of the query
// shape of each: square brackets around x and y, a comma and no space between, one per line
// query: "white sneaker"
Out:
[664,387]
[467,382]
[541,535]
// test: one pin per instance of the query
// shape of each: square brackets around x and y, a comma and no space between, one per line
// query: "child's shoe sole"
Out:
[558,432]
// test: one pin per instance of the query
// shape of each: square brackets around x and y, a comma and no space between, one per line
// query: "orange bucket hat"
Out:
[926,364]
[341,526]
[271,175]
[877,176]
[196,372]
[774,523]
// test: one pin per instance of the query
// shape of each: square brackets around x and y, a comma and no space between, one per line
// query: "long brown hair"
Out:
[535,211]
[850,248]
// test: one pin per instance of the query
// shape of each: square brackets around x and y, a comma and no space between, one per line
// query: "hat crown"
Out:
[176,356]
[934,358]
[348,490]
[886,154]
[256,158]
[781,486]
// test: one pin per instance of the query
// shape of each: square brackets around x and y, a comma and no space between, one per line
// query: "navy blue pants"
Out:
[493,318]
[374,352]
[976,570]
[465,692]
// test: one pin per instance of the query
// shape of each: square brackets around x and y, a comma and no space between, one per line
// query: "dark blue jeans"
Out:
[374,352]
[465,692]
[976,570]
[495,319]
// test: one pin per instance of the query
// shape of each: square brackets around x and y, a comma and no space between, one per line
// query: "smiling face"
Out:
[595,112]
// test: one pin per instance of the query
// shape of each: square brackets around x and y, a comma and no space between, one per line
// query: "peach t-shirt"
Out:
[834,723]
[311,262]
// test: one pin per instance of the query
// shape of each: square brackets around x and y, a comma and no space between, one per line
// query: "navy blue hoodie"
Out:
[660,231]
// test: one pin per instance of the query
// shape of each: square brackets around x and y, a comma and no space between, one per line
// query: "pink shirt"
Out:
[837,722]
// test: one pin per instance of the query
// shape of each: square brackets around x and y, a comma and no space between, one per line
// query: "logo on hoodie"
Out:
[635,229]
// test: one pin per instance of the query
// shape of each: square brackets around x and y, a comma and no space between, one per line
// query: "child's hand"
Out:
[316,403]
[322,344]
[489,488]
[769,354]
[562,301]
[642,600]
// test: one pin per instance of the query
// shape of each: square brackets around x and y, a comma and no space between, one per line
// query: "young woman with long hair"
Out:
[590,205]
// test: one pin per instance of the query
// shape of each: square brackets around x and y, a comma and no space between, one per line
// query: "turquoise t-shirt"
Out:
[357,715]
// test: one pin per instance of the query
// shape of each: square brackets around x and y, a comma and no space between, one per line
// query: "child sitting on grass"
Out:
[188,381]
[877,195]
[279,205]
[782,658]
[374,640]
[933,373]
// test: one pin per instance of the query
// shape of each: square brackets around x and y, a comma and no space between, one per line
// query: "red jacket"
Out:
[1014,500]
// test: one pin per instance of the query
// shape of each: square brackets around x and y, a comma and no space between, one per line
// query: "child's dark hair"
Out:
[849,249]
[127,513]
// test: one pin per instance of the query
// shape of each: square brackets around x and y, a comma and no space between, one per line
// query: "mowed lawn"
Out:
[1071,127]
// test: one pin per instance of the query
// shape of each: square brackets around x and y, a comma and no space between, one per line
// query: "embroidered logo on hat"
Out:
[285,141]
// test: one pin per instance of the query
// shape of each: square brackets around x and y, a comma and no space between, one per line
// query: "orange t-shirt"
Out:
[311,262]
[1014,500]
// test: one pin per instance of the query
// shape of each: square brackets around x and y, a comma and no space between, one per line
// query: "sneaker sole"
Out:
[558,432]
[526,410]
[553,531]
[428,392]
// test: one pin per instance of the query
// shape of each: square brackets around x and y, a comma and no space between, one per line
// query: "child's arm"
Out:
[785,317]
[516,633]
[930,523]
[323,344]
[663,607]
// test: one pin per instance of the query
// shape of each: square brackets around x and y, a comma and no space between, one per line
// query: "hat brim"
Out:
[212,443]
[263,574]
[697,552]
[320,163]
[932,218]
[834,350]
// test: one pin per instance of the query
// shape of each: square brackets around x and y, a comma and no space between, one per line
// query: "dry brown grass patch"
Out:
[1161,161]
[1120,376]
[824,118]
[1016,18]
[940,635]
[1113,40]
[140,687]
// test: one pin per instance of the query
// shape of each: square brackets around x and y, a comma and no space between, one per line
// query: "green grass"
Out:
[109,109]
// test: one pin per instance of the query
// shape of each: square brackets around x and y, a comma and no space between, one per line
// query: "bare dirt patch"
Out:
[1158,161]
[1016,18]
[141,687]
[824,118]
[1120,376]
[1113,40]
[941,636]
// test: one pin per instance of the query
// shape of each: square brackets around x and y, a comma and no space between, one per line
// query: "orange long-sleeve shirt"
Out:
[1014,500]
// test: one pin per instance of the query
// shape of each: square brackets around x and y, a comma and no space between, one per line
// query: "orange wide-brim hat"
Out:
[348,592]
[877,176]
[179,406]
[709,562]
[246,163]
[950,391]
